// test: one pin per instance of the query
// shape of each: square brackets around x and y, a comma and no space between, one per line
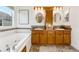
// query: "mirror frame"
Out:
[37,17]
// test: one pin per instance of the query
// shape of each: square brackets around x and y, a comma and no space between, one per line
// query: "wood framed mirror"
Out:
[39,17]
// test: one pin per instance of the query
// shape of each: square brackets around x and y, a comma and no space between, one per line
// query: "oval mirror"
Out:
[39,17]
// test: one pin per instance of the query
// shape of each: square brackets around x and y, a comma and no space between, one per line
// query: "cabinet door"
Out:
[35,37]
[67,37]
[43,37]
[51,37]
[59,37]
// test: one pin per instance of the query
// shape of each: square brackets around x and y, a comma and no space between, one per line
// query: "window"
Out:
[5,16]
[24,16]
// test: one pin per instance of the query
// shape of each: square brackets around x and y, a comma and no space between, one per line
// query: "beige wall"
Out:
[74,21]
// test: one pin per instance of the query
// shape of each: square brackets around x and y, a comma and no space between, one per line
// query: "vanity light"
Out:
[54,8]
[60,8]
[41,8]
[38,8]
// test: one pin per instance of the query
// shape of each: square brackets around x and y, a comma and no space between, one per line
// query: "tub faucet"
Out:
[7,48]
[13,48]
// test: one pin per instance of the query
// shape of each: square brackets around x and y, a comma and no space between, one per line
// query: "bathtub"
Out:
[15,42]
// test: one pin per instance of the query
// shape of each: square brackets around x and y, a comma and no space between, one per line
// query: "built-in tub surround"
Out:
[24,39]
[14,40]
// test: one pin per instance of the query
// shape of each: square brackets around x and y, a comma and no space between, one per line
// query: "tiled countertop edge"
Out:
[3,30]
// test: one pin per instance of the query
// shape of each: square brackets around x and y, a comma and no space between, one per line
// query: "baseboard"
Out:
[75,48]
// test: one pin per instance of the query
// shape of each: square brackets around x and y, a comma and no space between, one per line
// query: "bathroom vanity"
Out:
[55,31]
[56,36]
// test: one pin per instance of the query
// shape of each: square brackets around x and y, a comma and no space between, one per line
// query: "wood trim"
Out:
[9,29]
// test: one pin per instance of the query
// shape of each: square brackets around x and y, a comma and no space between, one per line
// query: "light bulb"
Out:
[60,8]
[41,8]
[35,8]
[54,8]
[57,8]
[38,8]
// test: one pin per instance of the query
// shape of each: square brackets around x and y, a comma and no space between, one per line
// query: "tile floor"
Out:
[52,48]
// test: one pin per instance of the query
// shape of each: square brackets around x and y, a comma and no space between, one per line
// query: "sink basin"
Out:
[38,29]
[59,29]
[62,27]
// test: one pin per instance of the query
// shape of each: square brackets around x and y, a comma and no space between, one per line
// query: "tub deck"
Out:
[18,39]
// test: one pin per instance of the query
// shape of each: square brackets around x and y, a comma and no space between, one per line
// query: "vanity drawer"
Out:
[59,32]
[59,35]
[35,31]
[67,32]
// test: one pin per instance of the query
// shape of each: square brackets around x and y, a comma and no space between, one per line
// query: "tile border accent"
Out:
[9,29]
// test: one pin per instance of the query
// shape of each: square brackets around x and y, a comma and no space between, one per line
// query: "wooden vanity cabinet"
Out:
[59,37]
[35,36]
[51,37]
[67,37]
[43,37]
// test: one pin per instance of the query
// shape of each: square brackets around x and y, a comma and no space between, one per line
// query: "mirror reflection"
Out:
[39,17]
[66,17]
[57,17]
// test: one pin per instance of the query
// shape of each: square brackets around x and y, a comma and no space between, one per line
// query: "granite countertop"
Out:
[38,27]
[61,27]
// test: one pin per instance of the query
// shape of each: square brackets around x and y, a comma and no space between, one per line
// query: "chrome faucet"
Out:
[13,48]
[7,48]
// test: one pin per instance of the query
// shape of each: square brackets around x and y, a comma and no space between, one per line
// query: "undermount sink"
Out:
[38,29]
[59,29]
[62,27]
